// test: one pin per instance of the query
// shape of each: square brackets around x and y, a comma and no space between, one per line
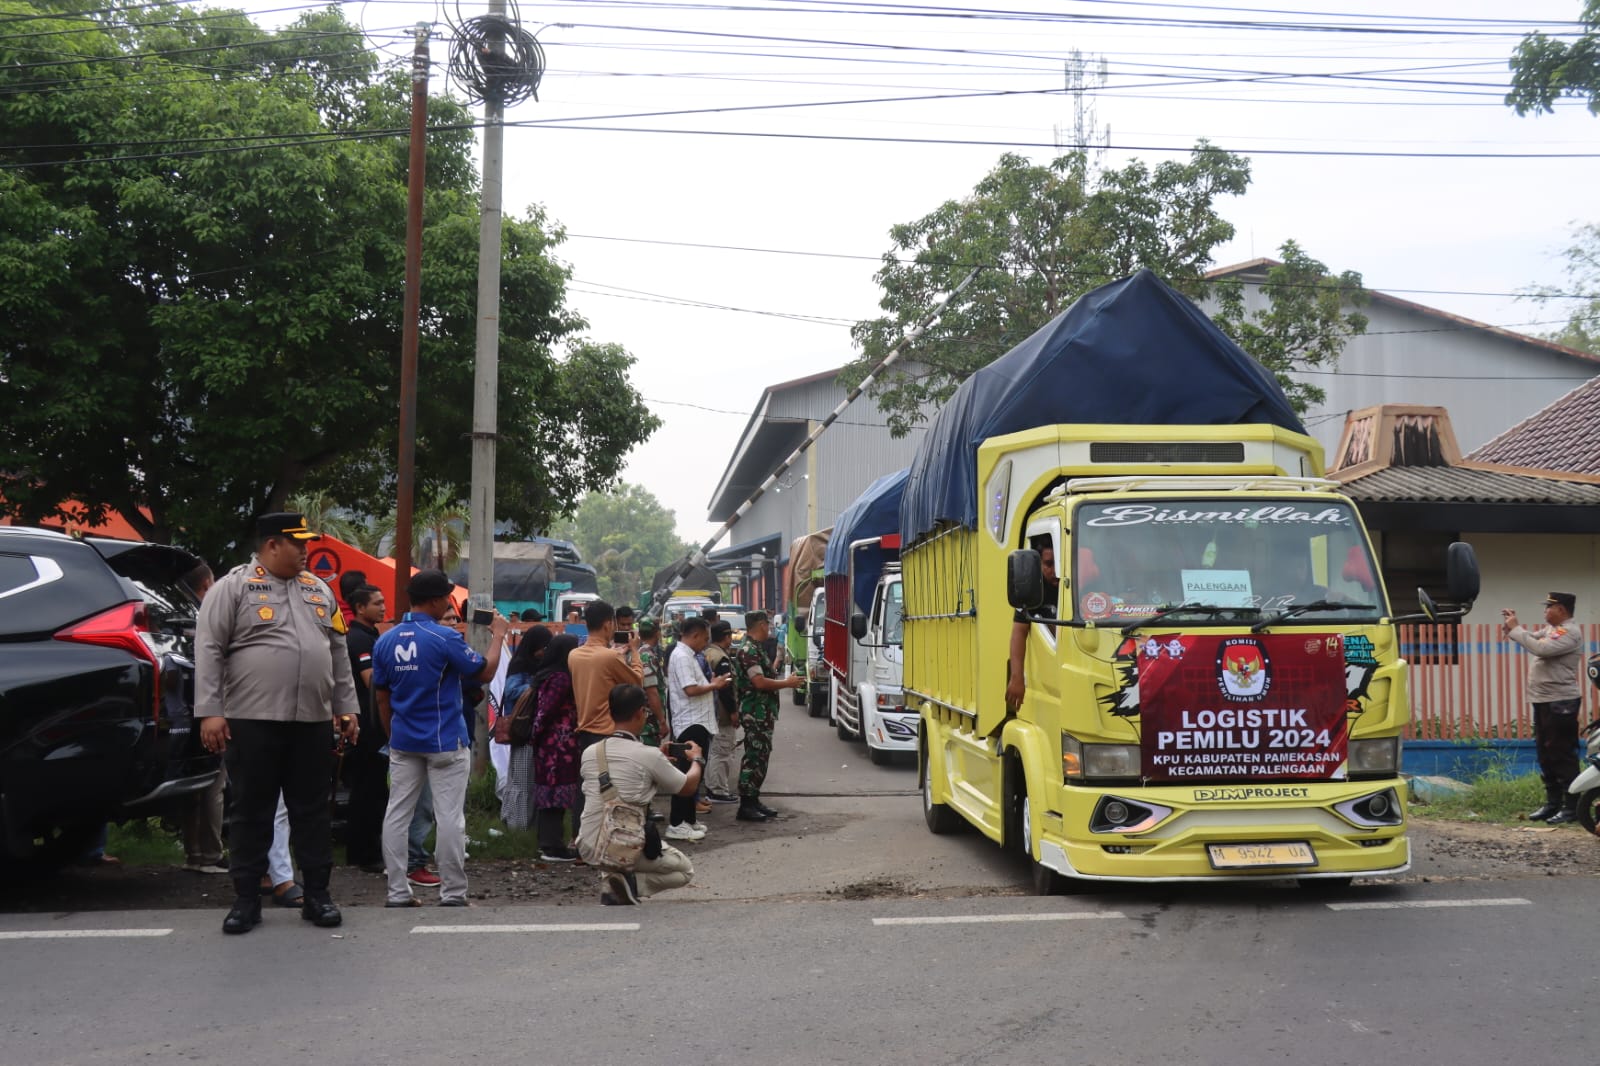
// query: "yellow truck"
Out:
[1210,684]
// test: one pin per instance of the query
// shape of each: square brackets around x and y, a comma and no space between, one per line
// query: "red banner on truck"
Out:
[1248,707]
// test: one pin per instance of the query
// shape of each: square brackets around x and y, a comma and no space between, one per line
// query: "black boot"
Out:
[245,914]
[1552,804]
[750,811]
[764,809]
[1567,813]
[319,909]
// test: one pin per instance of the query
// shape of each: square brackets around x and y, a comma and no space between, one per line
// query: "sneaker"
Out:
[459,901]
[616,890]
[217,867]
[682,831]
[557,856]
[412,902]
[422,877]
[722,797]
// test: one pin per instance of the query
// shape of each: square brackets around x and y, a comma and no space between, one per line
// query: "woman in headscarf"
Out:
[516,805]
[555,750]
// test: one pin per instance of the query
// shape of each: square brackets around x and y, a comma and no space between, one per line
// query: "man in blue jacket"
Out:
[417,670]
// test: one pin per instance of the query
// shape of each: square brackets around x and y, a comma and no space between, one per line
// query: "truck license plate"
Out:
[1235,856]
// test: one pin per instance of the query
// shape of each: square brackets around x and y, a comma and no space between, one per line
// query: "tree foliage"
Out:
[627,535]
[1044,235]
[1309,316]
[1543,69]
[201,279]
[1582,328]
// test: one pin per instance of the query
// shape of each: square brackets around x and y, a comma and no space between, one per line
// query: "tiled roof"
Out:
[1460,484]
[1564,436]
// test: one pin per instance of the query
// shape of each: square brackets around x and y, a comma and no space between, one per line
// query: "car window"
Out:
[48,583]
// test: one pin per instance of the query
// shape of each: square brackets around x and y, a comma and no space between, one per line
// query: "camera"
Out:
[677,751]
[482,616]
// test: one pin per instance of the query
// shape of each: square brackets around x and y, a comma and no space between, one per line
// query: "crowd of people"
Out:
[626,715]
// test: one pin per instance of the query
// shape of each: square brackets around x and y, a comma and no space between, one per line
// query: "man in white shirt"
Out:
[694,716]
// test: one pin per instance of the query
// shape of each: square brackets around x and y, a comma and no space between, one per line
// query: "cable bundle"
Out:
[495,61]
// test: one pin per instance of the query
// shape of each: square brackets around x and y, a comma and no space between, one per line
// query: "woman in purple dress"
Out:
[555,750]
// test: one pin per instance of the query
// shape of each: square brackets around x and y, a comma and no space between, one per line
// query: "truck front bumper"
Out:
[1218,832]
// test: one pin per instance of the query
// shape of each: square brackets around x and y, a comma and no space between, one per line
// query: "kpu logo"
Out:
[1243,670]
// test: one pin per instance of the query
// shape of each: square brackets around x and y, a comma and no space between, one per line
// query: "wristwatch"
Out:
[698,760]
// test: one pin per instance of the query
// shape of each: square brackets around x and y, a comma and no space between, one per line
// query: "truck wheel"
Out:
[799,697]
[1045,881]
[940,818]
[842,729]
[819,700]
[1588,808]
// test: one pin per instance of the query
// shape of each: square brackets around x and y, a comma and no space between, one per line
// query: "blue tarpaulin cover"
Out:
[1134,352]
[875,513]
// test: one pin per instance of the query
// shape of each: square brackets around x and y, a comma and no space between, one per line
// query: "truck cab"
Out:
[880,713]
[818,695]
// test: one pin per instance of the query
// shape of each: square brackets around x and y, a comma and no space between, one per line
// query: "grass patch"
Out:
[1496,797]
[146,842]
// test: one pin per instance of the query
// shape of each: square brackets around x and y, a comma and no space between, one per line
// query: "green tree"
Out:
[627,535]
[1045,235]
[201,284]
[1582,328]
[1544,69]
[1309,316]
[325,515]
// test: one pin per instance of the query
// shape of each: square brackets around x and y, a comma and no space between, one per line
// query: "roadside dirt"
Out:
[1442,851]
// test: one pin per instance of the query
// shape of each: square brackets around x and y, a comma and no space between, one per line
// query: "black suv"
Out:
[96,688]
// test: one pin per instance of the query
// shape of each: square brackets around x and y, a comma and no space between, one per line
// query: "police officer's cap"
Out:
[284,524]
[429,585]
[1565,599]
[754,618]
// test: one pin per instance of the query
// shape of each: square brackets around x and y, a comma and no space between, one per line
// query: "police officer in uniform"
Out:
[272,686]
[756,681]
[1555,692]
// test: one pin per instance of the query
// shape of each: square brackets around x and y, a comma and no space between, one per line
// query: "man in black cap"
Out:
[272,686]
[417,673]
[1555,692]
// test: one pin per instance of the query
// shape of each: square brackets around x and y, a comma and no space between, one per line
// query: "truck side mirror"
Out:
[1024,579]
[858,625]
[1461,573]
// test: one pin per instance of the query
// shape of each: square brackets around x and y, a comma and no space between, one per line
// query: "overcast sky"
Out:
[803,218]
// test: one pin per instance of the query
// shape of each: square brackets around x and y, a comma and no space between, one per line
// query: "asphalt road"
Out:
[766,960]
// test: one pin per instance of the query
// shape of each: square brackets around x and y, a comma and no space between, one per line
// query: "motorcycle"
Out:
[1586,786]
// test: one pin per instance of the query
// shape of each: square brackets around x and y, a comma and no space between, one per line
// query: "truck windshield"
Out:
[1133,558]
[893,614]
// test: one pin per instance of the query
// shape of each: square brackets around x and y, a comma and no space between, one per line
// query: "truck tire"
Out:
[1019,812]
[799,696]
[818,695]
[1588,808]
[940,817]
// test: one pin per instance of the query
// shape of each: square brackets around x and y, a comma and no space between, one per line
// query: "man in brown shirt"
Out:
[597,666]
[1553,689]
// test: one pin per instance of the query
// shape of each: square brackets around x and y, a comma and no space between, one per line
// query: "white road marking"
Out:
[79,934]
[976,919]
[555,927]
[1410,904]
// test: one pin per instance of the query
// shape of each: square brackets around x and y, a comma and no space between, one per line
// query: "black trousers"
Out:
[1555,736]
[367,775]
[585,742]
[263,759]
[683,806]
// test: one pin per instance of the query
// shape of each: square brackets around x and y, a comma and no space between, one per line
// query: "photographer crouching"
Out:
[621,776]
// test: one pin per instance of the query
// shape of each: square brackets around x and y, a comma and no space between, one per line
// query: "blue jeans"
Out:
[417,836]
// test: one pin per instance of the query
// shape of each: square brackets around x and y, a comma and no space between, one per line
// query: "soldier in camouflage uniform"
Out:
[654,665]
[757,684]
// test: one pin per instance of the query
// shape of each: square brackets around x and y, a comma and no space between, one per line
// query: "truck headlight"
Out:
[1379,757]
[1080,761]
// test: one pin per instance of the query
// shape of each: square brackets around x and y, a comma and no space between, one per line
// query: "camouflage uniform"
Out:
[654,665]
[758,713]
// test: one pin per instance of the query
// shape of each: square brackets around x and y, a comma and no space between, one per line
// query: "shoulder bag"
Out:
[621,837]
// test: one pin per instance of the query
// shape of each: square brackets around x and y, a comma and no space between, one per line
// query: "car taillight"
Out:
[125,626]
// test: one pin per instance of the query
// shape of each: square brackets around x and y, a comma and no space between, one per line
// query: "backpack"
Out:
[516,728]
[620,839]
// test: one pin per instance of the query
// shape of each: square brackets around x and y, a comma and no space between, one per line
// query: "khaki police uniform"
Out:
[270,657]
[1556,694]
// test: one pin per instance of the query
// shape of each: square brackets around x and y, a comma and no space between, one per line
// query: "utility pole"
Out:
[486,375]
[405,489]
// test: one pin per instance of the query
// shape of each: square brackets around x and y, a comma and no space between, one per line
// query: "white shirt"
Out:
[687,710]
